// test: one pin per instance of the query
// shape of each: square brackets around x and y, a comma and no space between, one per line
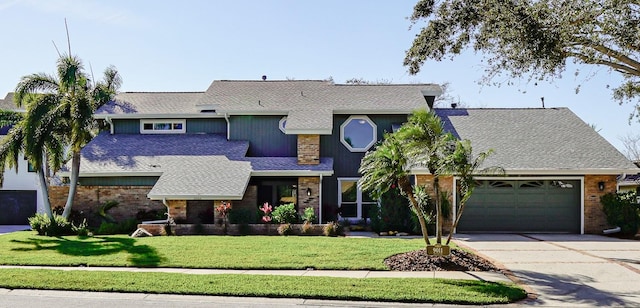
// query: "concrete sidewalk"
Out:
[483,276]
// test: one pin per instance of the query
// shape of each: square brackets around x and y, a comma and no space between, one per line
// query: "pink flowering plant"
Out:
[223,210]
[266,210]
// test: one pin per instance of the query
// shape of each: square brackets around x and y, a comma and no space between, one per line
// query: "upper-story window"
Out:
[283,124]
[358,133]
[163,126]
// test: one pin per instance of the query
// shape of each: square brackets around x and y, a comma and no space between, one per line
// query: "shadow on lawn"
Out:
[139,255]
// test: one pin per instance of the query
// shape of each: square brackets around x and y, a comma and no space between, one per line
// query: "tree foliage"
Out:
[533,38]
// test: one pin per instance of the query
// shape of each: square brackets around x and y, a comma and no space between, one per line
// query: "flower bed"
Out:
[231,229]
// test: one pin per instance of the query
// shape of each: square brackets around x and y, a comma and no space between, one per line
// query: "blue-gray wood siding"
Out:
[119,181]
[126,126]
[264,136]
[209,126]
[345,162]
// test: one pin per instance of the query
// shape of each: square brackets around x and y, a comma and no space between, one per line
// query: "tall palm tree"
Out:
[63,106]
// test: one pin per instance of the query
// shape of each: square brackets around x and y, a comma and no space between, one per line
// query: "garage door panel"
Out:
[16,206]
[525,206]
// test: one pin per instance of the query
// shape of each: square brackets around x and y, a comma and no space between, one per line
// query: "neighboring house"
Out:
[20,195]
[251,142]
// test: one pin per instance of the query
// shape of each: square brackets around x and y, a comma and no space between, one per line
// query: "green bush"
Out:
[124,227]
[44,225]
[309,215]
[622,210]
[285,229]
[332,228]
[285,214]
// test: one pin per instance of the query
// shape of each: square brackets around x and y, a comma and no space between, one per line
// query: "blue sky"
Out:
[185,45]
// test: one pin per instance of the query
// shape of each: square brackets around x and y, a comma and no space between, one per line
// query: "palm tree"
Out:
[62,107]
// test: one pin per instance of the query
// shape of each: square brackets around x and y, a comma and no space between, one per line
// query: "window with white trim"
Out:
[283,124]
[163,126]
[358,133]
[353,202]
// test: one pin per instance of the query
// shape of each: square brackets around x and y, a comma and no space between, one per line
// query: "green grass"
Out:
[224,252]
[370,289]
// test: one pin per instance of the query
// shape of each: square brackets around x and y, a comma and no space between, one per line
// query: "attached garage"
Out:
[16,206]
[523,206]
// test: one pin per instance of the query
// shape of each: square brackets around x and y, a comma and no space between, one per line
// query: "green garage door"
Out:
[16,206]
[523,206]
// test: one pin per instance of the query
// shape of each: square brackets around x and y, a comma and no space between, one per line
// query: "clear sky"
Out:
[160,45]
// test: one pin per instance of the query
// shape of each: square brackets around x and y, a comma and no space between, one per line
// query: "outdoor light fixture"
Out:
[309,192]
[601,186]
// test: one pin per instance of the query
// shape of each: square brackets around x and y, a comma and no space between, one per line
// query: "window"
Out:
[358,133]
[354,203]
[283,124]
[162,126]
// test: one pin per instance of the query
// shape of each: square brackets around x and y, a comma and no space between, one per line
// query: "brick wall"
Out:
[594,218]
[446,186]
[305,201]
[308,149]
[178,210]
[132,200]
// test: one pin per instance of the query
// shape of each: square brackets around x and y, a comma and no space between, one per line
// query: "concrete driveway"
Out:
[566,270]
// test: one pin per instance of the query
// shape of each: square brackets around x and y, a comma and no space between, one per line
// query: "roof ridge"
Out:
[161,92]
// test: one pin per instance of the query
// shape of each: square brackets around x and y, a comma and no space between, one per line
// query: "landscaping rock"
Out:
[458,260]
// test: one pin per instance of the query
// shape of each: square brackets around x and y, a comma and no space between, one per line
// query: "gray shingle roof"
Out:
[201,177]
[190,166]
[8,104]
[530,140]
[152,103]
[299,100]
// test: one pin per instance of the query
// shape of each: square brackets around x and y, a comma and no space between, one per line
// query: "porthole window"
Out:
[358,133]
[283,124]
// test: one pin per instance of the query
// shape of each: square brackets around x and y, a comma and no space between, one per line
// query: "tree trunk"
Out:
[454,224]
[44,188]
[406,187]
[436,189]
[73,183]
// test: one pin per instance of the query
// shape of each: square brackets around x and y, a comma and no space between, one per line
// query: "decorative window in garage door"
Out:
[561,184]
[532,184]
[500,184]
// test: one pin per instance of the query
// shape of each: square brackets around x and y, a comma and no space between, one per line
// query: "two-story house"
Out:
[301,142]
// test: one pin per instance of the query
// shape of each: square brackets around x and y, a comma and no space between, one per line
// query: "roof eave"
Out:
[158,115]
[291,173]
[194,197]
[602,171]
[312,131]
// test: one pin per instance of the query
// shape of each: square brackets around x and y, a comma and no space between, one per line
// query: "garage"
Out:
[523,206]
[16,206]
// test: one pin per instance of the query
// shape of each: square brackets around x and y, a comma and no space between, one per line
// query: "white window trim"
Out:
[158,121]
[282,124]
[368,146]
[359,202]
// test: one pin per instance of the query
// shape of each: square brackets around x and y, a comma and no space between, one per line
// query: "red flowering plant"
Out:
[223,210]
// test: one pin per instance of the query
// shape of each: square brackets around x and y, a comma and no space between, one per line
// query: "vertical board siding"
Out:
[345,162]
[128,126]
[119,181]
[208,126]
[264,136]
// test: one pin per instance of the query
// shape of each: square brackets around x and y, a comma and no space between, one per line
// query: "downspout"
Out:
[320,200]
[226,118]
[108,120]
[166,204]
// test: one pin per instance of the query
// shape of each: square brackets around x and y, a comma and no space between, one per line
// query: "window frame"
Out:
[171,122]
[359,203]
[360,118]
[282,124]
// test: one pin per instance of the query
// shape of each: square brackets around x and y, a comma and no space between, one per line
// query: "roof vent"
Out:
[264,77]
[454,105]
[207,108]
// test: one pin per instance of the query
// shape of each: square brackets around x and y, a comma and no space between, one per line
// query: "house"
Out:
[20,193]
[301,142]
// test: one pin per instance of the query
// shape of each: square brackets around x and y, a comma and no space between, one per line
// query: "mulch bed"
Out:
[458,260]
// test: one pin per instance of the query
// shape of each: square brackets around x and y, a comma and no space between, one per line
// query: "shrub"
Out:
[307,228]
[124,227]
[57,226]
[309,215]
[622,210]
[285,229]
[284,214]
[332,228]
[266,210]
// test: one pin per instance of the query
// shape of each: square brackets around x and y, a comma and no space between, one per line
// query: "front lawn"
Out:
[224,252]
[369,289]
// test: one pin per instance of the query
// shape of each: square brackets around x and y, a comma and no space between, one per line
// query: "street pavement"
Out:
[566,270]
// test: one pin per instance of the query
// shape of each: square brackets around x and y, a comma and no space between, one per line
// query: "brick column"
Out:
[308,149]
[446,186]
[594,218]
[313,200]
[178,210]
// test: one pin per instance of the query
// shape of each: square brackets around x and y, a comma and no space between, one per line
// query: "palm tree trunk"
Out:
[454,225]
[73,183]
[44,188]
[436,189]
[405,185]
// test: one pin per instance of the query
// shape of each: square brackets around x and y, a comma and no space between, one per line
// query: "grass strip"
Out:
[223,252]
[367,289]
